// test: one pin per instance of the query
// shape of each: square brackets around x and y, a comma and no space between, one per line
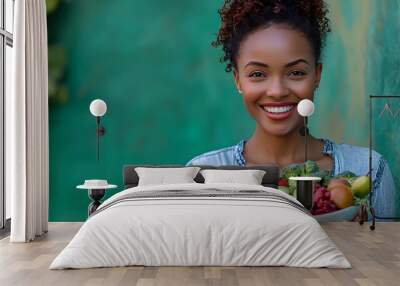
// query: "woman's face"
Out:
[275,70]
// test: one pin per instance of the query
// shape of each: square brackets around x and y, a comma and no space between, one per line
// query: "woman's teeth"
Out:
[280,109]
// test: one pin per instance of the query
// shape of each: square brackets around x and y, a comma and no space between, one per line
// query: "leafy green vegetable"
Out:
[293,170]
[325,176]
[346,175]
[349,176]
[310,168]
[292,187]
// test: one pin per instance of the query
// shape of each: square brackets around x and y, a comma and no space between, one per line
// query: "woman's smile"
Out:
[278,111]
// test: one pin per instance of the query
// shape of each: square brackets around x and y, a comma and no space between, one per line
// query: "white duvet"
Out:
[185,231]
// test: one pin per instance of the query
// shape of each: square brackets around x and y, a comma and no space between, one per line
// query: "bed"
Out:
[201,224]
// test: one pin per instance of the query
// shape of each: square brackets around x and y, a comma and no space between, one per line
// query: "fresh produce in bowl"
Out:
[283,182]
[342,197]
[340,193]
[283,185]
[322,201]
[349,176]
[309,168]
[343,192]
[338,182]
[360,187]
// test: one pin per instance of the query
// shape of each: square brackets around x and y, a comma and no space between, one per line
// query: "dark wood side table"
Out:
[96,191]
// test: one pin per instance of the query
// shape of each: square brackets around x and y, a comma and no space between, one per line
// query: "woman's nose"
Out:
[277,88]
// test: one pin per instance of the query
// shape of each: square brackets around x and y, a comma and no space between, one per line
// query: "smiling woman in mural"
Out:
[274,49]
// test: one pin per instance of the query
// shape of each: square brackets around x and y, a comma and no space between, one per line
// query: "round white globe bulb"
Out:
[98,107]
[305,107]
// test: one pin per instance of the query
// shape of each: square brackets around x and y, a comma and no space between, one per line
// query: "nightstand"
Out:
[96,191]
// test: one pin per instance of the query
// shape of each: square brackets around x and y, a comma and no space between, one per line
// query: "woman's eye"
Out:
[297,73]
[256,74]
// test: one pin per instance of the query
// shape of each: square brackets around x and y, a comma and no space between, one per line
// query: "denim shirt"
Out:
[345,157]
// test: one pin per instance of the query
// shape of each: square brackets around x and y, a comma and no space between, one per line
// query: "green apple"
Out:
[360,187]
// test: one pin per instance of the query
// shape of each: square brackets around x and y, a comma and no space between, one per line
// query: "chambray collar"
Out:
[238,153]
[327,149]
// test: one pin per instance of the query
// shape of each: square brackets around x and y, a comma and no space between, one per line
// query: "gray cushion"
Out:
[270,178]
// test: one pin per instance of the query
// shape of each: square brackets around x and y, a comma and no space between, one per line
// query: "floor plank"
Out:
[374,255]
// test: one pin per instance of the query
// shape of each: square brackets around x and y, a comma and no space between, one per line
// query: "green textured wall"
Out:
[169,98]
[362,59]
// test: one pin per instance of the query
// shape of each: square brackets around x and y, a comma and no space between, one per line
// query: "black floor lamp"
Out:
[371,208]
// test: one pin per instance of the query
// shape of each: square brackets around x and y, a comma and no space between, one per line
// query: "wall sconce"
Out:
[98,108]
[305,108]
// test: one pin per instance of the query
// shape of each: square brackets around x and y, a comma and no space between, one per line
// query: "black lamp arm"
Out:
[305,137]
[100,130]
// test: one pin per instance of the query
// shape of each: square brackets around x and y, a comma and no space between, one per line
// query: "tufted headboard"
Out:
[270,178]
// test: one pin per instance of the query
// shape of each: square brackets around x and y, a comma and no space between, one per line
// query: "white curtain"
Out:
[27,124]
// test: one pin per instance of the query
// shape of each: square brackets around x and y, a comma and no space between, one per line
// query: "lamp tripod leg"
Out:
[372,210]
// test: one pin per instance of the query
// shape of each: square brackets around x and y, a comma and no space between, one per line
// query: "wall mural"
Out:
[169,98]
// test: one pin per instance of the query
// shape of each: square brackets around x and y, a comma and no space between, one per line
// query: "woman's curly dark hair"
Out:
[241,17]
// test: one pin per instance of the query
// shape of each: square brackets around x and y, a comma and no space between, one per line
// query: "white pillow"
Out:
[248,177]
[161,176]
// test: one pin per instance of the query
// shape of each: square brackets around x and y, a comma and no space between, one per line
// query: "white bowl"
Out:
[345,214]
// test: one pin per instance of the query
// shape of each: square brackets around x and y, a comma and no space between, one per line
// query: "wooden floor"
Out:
[374,255]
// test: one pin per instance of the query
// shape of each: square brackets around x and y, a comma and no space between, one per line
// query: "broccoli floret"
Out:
[293,170]
[309,168]
[292,187]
